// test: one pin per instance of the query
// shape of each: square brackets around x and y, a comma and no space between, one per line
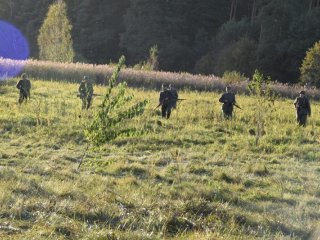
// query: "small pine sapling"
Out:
[115,112]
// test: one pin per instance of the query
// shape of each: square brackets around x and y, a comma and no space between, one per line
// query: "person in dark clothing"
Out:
[168,100]
[86,92]
[303,109]
[229,100]
[24,86]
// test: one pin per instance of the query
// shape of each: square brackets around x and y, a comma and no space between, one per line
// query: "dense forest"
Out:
[197,36]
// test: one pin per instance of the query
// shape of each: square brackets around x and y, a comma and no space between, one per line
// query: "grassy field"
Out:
[194,176]
[74,72]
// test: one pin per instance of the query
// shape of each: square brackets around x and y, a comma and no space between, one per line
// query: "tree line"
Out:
[197,36]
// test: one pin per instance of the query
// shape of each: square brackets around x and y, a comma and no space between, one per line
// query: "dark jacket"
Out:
[302,105]
[169,98]
[24,86]
[228,99]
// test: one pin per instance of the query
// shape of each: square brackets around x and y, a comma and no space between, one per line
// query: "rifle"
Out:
[237,106]
[234,104]
[160,103]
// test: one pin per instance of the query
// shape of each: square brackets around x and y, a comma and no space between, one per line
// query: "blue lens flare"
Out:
[13,46]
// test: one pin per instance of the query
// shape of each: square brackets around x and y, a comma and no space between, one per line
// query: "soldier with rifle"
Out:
[167,100]
[86,92]
[24,86]
[229,100]
[303,108]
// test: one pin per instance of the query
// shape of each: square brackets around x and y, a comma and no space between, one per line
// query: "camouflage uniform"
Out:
[228,99]
[168,100]
[303,109]
[86,93]
[24,86]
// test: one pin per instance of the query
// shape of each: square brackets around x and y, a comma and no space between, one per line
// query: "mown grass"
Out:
[194,176]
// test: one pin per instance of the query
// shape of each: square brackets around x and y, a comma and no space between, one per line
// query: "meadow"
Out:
[194,176]
[74,72]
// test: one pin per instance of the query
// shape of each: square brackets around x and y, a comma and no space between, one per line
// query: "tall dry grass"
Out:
[74,72]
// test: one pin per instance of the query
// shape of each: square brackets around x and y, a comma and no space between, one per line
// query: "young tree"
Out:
[310,68]
[54,40]
[262,94]
[115,113]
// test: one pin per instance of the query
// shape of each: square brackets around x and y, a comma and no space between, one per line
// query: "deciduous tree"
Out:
[310,68]
[54,40]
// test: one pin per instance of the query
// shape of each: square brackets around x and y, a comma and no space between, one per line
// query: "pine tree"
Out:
[115,113]
[54,40]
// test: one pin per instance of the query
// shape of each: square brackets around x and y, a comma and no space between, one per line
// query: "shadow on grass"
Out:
[213,210]
[136,171]
[200,171]
[274,199]
[176,225]
[98,217]
[159,144]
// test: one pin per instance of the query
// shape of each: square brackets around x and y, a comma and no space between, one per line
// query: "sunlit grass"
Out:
[74,72]
[194,176]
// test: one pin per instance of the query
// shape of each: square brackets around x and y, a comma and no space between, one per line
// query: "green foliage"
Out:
[188,178]
[54,40]
[153,58]
[111,121]
[173,26]
[274,39]
[97,26]
[230,77]
[198,36]
[235,48]
[260,85]
[152,63]
[310,68]
[260,90]
[27,15]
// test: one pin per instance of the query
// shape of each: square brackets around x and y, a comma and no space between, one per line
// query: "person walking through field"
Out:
[86,92]
[167,100]
[24,85]
[303,109]
[229,100]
